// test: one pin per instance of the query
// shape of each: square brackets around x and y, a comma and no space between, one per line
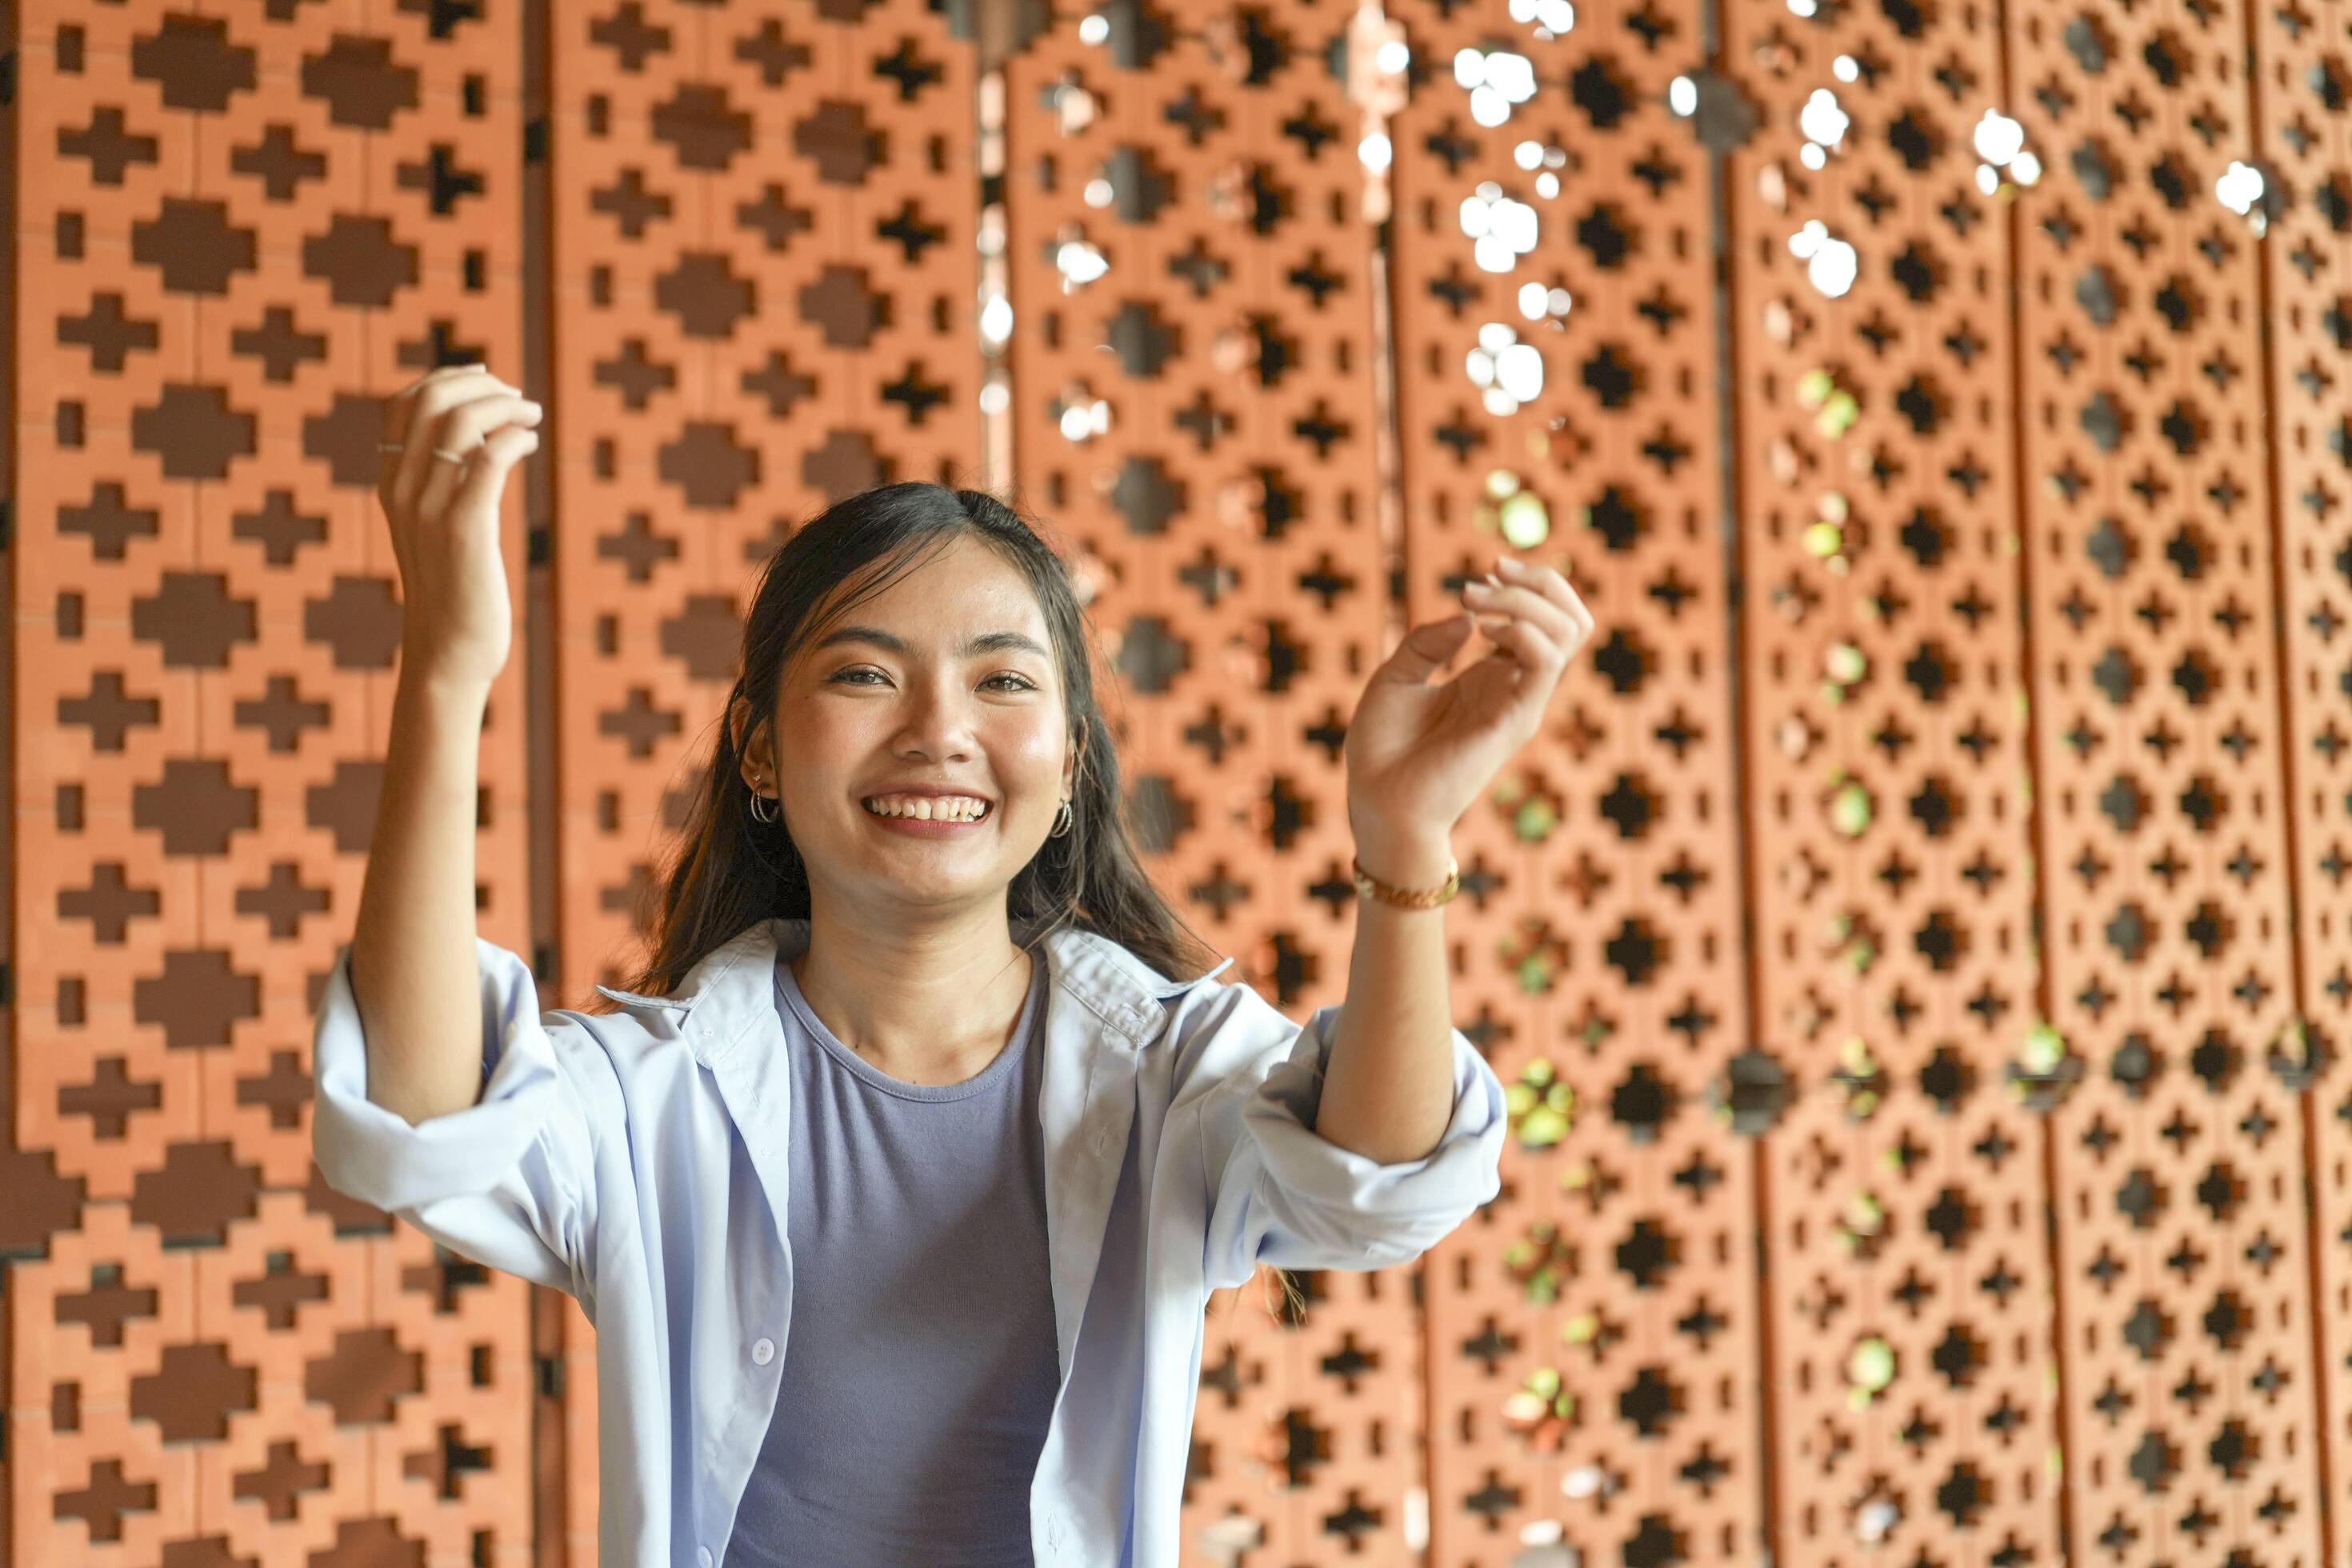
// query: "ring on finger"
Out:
[448,457]
[390,446]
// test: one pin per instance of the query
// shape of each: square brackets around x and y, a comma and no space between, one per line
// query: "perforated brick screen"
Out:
[1916,943]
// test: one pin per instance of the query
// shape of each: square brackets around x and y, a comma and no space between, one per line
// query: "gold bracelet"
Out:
[1367,887]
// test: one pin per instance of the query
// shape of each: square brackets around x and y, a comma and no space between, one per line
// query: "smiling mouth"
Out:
[962,814]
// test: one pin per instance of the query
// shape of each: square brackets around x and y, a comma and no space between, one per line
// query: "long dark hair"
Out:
[728,871]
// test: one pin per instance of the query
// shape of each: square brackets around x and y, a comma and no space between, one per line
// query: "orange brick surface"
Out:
[1914,942]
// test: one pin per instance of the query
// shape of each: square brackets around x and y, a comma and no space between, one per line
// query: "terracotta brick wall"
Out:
[1917,940]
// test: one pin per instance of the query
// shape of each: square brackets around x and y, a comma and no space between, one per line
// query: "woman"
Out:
[897,1184]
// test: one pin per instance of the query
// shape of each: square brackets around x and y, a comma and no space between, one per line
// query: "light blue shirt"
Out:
[638,1161]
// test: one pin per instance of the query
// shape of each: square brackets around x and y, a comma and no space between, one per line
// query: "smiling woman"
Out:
[897,1184]
[967,671]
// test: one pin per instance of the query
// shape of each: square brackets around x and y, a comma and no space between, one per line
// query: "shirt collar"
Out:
[732,986]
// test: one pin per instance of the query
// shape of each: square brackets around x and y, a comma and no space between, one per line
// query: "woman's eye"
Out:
[1020,683]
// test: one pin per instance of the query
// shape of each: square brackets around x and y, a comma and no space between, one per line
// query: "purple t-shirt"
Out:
[921,1370]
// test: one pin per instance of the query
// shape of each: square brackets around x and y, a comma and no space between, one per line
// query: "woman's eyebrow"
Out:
[985,642]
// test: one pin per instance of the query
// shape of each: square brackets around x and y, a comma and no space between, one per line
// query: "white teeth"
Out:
[924,808]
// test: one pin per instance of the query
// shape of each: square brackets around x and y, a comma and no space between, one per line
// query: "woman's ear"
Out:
[742,735]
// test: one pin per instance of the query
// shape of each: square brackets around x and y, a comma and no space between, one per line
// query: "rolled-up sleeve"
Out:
[1281,1194]
[508,1180]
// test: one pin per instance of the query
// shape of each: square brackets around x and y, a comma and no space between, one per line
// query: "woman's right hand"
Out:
[456,620]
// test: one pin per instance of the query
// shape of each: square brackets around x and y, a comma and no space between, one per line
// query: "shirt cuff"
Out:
[374,1154]
[1418,1199]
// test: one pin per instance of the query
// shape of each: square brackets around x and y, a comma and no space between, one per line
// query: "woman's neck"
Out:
[926,1007]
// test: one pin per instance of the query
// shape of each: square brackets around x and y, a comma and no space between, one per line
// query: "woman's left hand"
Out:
[1417,755]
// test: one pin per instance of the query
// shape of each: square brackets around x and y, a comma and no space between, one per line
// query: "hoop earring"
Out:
[1062,820]
[768,816]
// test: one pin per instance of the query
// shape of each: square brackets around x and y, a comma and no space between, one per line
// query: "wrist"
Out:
[1412,861]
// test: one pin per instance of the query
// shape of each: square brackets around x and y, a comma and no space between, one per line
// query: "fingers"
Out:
[1539,663]
[1526,640]
[480,476]
[1528,603]
[1425,650]
[464,428]
[396,407]
[1550,589]
[414,416]
[1525,643]
[446,414]
[1551,584]
[398,410]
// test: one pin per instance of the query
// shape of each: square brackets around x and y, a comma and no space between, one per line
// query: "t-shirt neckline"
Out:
[788,994]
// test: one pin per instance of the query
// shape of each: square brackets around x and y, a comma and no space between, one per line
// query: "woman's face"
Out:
[947,679]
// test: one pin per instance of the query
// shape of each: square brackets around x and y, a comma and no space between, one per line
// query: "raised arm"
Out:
[443,1093]
[1418,757]
[1362,1138]
[413,954]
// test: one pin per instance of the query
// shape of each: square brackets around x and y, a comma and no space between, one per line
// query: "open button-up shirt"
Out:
[638,1161]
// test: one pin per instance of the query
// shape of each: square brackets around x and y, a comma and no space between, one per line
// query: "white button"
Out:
[703,1557]
[764,1351]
